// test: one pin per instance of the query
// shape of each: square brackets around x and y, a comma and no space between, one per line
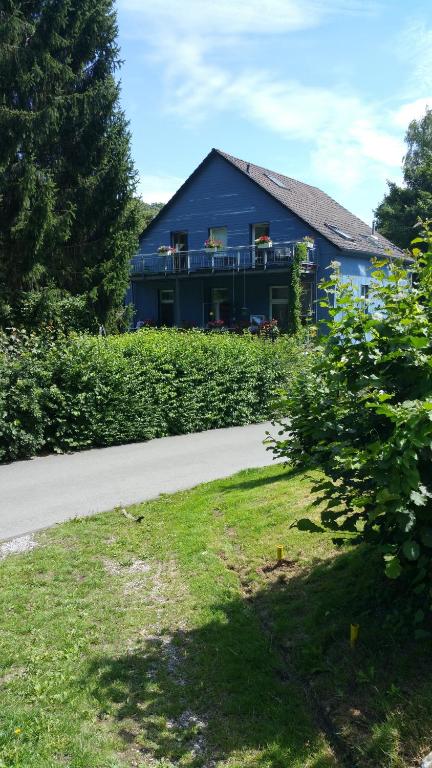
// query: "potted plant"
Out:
[212,245]
[166,250]
[263,241]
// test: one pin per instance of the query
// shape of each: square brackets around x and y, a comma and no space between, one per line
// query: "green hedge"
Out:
[82,391]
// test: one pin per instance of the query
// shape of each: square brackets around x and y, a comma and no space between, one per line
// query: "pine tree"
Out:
[403,206]
[68,222]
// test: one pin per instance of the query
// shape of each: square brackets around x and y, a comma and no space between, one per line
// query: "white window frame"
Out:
[364,294]
[216,304]
[259,224]
[273,301]
[214,236]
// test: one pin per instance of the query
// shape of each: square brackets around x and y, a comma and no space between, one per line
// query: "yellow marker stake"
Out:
[354,633]
[280,553]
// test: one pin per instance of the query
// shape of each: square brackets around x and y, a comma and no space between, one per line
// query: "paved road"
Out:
[37,493]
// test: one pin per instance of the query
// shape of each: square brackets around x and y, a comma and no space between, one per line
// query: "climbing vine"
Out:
[295,289]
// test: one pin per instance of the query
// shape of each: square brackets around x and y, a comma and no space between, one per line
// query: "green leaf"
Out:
[411,550]
[393,567]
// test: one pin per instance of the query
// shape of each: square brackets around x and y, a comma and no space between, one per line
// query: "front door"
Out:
[220,305]
[166,307]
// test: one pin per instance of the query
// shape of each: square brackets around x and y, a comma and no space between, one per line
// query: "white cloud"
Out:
[416,49]
[218,18]
[351,139]
[158,189]
[411,111]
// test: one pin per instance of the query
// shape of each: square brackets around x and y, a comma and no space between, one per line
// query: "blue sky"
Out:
[321,90]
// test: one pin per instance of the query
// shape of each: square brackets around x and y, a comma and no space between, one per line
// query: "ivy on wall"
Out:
[295,288]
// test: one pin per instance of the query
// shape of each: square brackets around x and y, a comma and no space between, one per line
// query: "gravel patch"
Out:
[17,546]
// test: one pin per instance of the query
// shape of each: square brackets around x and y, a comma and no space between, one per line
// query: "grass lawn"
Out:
[176,641]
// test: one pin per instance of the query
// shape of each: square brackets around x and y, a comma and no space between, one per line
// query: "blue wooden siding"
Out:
[220,195]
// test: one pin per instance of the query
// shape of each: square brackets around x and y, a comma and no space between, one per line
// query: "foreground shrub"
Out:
[80,391]
[363,413]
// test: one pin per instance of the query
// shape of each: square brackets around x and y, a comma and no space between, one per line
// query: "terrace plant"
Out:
[212,243]
[363,413]
[264,240]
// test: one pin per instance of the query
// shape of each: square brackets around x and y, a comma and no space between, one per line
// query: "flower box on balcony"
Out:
[165,250]
[211,245]
[263,242]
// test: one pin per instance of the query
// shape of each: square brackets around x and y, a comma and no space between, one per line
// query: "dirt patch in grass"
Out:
[18,546]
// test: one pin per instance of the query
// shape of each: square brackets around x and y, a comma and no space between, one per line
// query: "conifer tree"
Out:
[68,222]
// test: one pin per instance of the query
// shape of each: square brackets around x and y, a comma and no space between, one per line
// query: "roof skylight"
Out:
[276,181]
[340,232]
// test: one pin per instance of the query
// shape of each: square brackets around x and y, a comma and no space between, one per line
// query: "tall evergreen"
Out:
[68,222]
[403,206]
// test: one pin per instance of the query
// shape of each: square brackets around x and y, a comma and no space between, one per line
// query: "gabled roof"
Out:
[314,207]
[317,209]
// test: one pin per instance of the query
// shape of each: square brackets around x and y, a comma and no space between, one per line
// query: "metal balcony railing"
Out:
[228,259]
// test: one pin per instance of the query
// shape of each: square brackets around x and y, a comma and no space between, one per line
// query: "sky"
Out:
[320,90]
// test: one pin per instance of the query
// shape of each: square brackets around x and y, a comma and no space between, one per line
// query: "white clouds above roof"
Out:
[158,188]
[351,138]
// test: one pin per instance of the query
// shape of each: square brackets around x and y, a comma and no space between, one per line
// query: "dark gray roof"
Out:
[317,209]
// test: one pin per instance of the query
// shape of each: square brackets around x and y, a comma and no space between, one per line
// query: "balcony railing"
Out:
[229,259]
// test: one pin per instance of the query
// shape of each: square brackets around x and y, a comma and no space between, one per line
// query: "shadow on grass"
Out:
[285,473]
[258,681]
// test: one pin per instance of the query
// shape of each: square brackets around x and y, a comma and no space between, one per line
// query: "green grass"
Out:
[176,642]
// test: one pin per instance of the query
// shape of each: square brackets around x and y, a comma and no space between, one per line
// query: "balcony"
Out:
[204,261]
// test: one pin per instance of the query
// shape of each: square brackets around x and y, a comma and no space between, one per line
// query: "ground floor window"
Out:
[220,305]
[166,307]
[307,300]
[279,304]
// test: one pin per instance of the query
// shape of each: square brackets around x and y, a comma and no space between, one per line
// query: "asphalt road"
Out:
[40,492]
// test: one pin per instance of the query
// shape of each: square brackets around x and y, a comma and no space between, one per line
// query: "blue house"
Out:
[232,204]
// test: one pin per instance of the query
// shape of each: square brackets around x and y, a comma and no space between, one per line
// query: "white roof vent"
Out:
[340,232]
[276,181]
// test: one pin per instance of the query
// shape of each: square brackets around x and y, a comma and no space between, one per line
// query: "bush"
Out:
[363,413]
[78,391]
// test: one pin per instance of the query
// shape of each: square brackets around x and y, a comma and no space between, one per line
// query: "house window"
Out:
[166,307]
[220,305]
[180,241]
[364,292]
[258,230]
[219,233]
[306,300]
[279,304]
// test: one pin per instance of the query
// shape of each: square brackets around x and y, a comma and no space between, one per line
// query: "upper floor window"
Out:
[258,230]
[219,233]
[180,241]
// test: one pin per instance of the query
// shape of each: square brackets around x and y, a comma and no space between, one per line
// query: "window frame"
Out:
[278,302]
[179,232]
[222,226]
[216,305]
